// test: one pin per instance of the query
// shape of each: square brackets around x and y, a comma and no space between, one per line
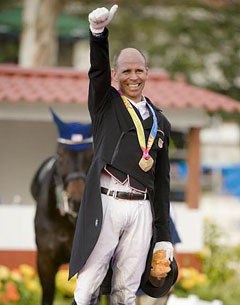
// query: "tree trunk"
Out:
[39,43]
[28,35]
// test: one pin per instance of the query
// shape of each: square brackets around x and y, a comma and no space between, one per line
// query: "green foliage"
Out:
[9,52]
[220,265]
[188,37]
[6,4]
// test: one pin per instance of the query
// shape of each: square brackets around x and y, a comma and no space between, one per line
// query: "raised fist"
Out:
[100,18]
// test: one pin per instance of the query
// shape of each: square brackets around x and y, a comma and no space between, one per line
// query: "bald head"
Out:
[128,55]
[130,71]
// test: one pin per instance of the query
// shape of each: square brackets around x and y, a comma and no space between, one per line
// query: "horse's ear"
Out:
[56,119]
[89,129]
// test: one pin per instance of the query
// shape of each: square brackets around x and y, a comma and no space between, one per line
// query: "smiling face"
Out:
[131,73]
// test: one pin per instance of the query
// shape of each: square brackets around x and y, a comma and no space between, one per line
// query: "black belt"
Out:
[124,195]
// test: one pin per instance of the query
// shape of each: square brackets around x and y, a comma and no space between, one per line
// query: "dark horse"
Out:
[57,187]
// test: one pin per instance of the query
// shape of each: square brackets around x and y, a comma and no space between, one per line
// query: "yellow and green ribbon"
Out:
[139,127]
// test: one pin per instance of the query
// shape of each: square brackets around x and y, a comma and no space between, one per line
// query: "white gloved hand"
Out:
[101,17]
[167,246]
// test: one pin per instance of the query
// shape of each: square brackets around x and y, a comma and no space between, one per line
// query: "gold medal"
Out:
[146,164]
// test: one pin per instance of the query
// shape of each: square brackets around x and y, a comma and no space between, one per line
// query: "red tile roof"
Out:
[42,85]
[66,85]
[178,94]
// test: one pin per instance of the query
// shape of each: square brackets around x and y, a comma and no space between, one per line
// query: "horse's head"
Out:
[74,154]
[71,169]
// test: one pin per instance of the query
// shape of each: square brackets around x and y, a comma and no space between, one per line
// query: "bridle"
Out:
[63,200]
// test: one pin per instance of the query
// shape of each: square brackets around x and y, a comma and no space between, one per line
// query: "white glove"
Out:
[167,246]
[101,17]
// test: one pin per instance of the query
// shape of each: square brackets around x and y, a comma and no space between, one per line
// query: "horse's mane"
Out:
[47,167]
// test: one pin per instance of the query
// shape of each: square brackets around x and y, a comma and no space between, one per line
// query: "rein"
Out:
[63,201]
[62,196]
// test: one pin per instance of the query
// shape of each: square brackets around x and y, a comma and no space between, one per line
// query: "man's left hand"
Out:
[100,18]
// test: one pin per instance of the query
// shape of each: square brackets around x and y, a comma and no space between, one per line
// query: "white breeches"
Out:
[125,237]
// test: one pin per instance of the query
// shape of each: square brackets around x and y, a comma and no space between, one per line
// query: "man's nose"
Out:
[133,75]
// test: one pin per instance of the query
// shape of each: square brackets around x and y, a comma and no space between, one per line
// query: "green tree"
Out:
[186,37]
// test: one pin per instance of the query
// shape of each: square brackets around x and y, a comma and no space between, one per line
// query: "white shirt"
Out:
[142,108]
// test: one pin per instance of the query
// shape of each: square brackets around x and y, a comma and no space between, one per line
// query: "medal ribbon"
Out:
[140,131]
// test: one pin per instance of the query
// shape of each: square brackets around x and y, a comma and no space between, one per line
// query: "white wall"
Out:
[16,226]
[24,145]
[220,144]
[190,225]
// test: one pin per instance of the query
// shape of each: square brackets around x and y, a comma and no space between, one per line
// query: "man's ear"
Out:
[147,71]
[114,75]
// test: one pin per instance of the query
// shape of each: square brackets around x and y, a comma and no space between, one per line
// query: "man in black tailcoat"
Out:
[124,213]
